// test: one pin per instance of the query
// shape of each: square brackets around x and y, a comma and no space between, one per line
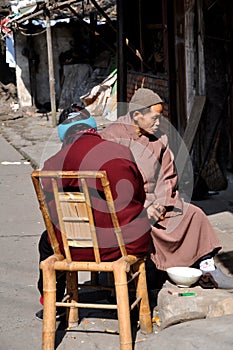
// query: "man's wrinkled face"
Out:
[149,122]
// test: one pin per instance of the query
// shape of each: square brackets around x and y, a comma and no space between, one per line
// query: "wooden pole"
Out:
[51,69]
[140,32]
[121,61]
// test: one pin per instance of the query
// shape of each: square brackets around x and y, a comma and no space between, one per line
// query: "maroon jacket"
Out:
[91,152]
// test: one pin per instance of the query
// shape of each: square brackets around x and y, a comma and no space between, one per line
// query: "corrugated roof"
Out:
[62,9]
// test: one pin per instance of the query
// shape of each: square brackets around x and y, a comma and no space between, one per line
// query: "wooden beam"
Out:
[51,71]
[189,134]
[121,60]
[193,122]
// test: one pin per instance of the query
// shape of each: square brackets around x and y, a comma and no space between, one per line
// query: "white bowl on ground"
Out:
[184,276]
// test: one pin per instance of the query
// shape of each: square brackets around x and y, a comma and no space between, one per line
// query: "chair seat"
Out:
[107,266]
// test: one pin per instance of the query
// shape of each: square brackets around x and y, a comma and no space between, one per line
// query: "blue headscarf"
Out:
[73,119]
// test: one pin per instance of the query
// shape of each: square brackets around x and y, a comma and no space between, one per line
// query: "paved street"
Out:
[20,228]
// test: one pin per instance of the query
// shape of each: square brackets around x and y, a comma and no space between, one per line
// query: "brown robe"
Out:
[185,235]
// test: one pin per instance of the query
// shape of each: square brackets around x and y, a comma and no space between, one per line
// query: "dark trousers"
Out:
[45,250]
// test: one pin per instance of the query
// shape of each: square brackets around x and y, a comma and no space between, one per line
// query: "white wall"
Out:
[22,71]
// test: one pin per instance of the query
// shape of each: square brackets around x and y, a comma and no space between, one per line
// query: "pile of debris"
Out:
[10,107]
[8,97]
[8,92]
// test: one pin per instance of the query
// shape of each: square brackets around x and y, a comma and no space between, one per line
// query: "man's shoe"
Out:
[221,280]
[60,313]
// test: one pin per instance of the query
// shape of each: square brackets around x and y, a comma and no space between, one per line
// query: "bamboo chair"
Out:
[78,230]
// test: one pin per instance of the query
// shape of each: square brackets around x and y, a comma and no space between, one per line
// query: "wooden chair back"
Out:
[75,210]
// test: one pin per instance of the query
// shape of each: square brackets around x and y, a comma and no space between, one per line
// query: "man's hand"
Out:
[156,212]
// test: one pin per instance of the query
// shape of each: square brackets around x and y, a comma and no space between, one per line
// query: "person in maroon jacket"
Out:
[84,149]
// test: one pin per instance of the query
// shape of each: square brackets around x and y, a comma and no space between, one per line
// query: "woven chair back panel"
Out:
[75,219]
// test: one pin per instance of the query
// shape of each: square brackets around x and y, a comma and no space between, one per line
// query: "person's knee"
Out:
[43,239]
[45,249]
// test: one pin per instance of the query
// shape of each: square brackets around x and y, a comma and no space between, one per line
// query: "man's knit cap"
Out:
[144,98]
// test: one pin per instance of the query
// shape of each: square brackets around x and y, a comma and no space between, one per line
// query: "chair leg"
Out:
[144,306]
[123,308]
[49,313]
[72,289]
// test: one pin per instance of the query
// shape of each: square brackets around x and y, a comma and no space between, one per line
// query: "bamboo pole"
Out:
[51,68]
[45,212]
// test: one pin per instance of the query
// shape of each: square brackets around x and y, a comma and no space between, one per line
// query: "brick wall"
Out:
[157,83]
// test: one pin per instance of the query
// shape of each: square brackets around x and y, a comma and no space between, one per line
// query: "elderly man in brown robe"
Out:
[181,232]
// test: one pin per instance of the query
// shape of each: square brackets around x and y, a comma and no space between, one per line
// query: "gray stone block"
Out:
[206,303]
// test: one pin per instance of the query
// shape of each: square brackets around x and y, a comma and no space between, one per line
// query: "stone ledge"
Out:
[207,303]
